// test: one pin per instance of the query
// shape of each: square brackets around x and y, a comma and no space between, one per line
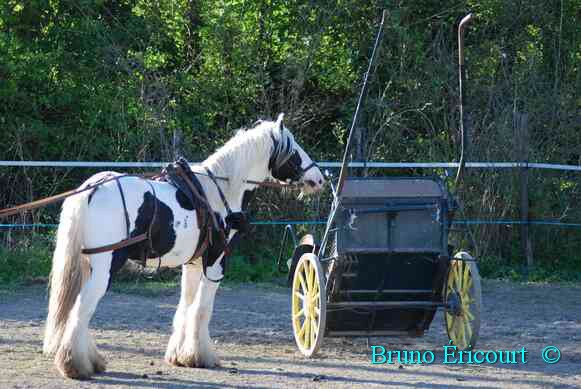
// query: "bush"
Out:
[25,262]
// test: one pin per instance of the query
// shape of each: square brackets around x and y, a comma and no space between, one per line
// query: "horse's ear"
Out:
[279,122]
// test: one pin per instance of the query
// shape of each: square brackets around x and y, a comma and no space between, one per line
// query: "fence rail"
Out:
[322,222]
[325,164]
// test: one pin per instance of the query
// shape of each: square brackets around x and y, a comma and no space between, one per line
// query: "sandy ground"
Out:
[252,332]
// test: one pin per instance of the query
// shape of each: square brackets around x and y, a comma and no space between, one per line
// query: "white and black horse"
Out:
[100,217]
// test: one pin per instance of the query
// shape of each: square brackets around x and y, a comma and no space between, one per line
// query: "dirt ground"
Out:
[252,332]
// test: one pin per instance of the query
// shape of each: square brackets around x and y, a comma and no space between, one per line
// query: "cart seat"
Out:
[357,188]
[393,215]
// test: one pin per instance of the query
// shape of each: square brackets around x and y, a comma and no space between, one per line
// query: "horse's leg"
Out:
[77,356]
[191,275]
[197,350]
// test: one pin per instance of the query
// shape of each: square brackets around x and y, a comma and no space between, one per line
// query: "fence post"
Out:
[522,149]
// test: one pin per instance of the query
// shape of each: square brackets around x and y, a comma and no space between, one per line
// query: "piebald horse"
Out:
[97,218]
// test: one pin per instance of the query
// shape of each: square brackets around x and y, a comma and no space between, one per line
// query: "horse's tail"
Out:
[70,269]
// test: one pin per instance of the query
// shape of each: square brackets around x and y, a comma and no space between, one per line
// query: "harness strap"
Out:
[153,217]
[53,199]
[213,178]
[117,245]
[124,206]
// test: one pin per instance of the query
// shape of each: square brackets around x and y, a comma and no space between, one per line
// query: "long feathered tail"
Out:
[70,269]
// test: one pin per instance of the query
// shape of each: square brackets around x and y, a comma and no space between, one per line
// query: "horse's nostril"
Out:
[310,183]
[320,181]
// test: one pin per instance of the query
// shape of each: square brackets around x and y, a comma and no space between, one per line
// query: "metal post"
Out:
[462,78]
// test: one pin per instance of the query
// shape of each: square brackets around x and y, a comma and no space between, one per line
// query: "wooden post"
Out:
[522,149]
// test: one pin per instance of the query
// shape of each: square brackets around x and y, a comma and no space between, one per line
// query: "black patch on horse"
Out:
[216,248]
[163,235]
[162,238]
[183,200]
[118,260]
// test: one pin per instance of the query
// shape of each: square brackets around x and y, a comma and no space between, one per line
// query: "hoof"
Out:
[99,363]
[172,359]
[69,367]
[208,360]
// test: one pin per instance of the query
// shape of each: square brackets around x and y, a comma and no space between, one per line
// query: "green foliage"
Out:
[241,270]
[25,263]
[140,80]
[496,268]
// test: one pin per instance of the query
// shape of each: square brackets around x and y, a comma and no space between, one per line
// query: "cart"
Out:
[384,265]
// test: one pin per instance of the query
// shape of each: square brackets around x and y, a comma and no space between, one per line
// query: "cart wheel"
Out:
[463,296]
[309,304]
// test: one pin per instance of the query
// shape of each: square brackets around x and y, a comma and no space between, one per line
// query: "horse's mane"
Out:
[235,156]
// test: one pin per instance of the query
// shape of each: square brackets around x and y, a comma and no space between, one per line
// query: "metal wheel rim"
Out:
[308,309]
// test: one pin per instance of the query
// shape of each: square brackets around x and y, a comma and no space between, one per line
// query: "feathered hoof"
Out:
[195,359]
[50,346]
[171,358]
[71,367]
[99,363]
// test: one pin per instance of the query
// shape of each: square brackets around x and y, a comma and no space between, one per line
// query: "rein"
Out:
[61,196]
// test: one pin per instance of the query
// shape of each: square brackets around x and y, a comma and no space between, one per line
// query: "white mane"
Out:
[244,151]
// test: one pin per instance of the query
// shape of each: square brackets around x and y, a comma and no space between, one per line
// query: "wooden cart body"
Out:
[384,266]
[391,255]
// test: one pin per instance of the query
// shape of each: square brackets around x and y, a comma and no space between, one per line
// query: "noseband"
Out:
[285,161]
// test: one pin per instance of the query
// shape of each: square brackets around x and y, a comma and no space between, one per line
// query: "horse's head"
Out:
[289,163]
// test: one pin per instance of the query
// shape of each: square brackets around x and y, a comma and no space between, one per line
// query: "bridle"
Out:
[285,161]
[284,165]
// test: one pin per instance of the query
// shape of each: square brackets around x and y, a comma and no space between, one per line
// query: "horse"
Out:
[101,217]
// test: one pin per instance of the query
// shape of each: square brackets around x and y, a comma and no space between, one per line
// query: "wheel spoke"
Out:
[299,313]
[469,314]
[307,333]
[464,340]
[313,331]
[466,277]
[449,322]
[301,332]
[459,331]
[303,283]
[468,332]
[469,285]
[466,300]
[300,296]
[458,275]
[308,276]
